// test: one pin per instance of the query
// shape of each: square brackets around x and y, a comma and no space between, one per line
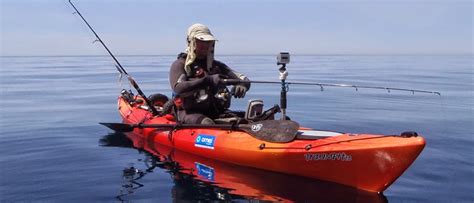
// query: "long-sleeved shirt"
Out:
[188,85]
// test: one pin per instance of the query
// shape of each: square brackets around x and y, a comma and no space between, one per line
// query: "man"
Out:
[195,78]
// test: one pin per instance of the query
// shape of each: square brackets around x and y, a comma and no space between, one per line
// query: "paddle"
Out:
[269,130]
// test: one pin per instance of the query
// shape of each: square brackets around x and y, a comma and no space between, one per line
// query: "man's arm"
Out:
[231,74]
[179,81]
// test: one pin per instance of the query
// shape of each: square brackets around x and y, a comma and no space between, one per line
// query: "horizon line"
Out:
[329,54]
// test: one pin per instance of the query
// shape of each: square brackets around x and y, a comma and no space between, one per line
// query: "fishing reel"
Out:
[223,98]
[128,96]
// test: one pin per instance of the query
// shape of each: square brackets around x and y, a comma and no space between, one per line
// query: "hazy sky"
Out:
[131,27]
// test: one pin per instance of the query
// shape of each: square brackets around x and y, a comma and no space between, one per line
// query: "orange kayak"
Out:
[245,181]
[363,161]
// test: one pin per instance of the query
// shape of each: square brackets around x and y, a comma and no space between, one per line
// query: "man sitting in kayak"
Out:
[195,78]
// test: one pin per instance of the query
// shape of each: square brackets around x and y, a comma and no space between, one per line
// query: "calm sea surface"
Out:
[53,149]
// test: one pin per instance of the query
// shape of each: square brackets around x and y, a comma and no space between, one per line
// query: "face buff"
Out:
[198,32]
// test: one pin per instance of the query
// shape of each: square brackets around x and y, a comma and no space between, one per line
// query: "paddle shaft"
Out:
[118,65]
[185,126]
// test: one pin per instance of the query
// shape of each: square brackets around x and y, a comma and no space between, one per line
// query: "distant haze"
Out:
[146,27]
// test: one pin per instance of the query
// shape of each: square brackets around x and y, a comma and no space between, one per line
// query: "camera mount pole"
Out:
[284,89]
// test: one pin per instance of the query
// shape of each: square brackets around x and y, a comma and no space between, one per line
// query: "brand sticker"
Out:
[205,171]
[339,156]
[257,127]
[205,141]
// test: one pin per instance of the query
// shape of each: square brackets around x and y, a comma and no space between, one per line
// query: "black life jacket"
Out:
[207,100]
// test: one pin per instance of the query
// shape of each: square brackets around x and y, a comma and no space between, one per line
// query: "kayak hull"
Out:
[247,182]
[363,161]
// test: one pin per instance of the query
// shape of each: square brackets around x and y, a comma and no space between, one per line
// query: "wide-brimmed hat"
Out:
[200,32]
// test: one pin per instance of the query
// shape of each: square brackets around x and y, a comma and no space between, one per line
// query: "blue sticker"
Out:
[205,141]
[205,171]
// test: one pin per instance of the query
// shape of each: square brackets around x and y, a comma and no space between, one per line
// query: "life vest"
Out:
[208,100]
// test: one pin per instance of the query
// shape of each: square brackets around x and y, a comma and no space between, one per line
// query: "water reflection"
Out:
[197,178]
[130,182]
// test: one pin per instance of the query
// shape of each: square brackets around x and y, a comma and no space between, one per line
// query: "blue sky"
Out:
[136,27]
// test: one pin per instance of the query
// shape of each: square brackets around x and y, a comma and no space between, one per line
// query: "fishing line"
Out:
[445,118]
[85,30]
[117,63]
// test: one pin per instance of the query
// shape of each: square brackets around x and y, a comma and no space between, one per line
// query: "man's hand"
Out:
[239,91]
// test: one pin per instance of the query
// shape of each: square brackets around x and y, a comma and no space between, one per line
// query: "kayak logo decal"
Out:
[205,141]
[336,156]
[256,127]
[204,171]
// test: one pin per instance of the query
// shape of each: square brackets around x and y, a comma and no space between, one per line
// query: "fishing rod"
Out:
[322,85]
[284,57]
[119,67]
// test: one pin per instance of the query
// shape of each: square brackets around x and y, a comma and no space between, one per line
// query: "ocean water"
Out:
[53,149]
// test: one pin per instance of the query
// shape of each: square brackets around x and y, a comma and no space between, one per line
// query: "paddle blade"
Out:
[279,131]
[119,127]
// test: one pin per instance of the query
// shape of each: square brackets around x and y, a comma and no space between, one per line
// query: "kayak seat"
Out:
[162,103]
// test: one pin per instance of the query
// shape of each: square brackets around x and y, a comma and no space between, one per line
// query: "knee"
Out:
[207,120]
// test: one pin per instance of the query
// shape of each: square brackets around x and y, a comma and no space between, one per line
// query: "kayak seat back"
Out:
[158,99]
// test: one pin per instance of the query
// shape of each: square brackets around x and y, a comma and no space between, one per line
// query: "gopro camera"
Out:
[283,58]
